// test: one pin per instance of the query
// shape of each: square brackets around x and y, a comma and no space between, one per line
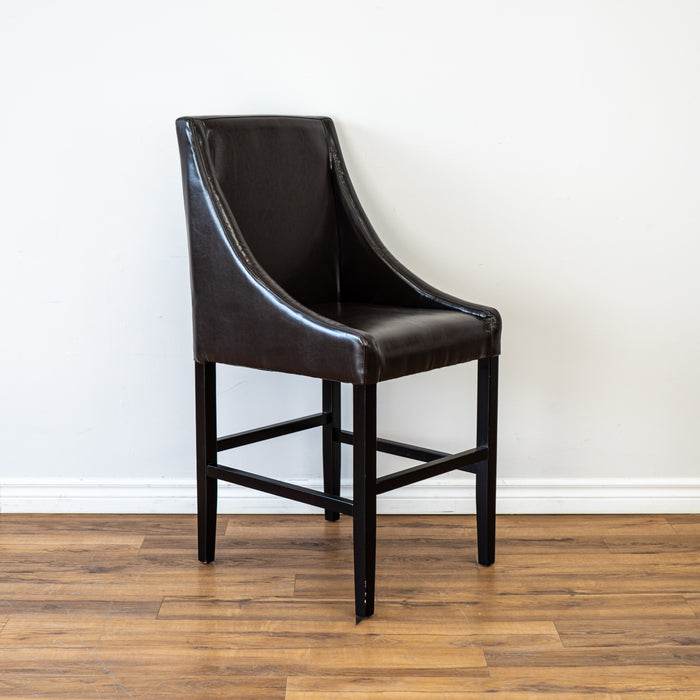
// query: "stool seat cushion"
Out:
[404,340]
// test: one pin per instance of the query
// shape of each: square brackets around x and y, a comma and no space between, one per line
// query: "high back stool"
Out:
[288,275]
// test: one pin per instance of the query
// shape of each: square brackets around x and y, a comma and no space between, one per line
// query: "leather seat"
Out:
[288,274]
[401,340]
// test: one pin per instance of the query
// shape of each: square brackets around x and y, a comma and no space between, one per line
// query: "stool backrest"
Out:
[274,174]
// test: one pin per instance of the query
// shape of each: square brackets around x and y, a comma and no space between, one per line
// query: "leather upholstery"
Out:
[287,272]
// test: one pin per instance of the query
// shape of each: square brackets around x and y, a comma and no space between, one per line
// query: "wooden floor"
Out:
[116,606]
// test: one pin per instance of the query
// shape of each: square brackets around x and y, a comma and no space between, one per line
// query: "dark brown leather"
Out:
[287,272]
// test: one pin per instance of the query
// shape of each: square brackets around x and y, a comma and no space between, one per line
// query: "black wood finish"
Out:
[331,444]
[461,460]
[480,460]
[280,488]
[271,431]
[400,449]
[364,496]
[486,434]
[205,410]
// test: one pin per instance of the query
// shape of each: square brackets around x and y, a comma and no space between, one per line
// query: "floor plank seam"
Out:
[690,605]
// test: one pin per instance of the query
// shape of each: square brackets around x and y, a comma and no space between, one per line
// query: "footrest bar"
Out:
[400,449]
[270,431]
[280,488]
[461,460]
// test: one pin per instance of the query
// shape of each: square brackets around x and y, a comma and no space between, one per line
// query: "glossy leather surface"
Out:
[287,272]
[286,212]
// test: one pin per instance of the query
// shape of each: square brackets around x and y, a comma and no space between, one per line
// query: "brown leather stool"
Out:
[288,275]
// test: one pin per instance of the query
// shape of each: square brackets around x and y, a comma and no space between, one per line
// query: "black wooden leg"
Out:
[486,434]
[205,399]
[331,447]
[364,496]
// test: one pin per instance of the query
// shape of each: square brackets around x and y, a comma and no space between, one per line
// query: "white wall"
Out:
[541,157]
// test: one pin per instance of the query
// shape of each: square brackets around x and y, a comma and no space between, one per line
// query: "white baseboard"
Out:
[522,496]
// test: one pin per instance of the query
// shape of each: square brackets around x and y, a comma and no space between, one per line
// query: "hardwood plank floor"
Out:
[117,606]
